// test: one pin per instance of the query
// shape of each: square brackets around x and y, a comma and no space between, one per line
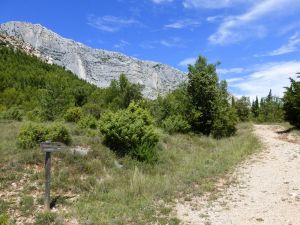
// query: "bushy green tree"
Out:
[255,108]
[243,106]
[291,105]
[121,93]
[176,123]
[210,99]
[127,130]
[271,109]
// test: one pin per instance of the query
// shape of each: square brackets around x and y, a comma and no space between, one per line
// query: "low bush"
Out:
[13,113]
[35,115]
[87,122]
[58,132]
[225,125]
[145,153]
[34,133]
[93,109]
[127,130]
[176,123]
[73,114]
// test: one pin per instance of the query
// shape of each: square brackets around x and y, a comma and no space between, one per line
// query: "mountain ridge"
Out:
[96,66]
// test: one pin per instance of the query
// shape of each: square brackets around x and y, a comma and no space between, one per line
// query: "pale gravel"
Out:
[266,191]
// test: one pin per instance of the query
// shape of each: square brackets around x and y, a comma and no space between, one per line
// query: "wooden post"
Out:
[48,147]
[47,180]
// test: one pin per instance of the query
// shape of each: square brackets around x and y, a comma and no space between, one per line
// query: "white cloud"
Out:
[273,76]
[184,23]
[122,44]
[110,23]
[233,80]
[236,28]
[161,1]
[187,61]
[213,19]
[291,46]
[173,42]
[235,70]
[212,4]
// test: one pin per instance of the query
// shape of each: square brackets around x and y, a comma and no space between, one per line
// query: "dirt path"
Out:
[267,190]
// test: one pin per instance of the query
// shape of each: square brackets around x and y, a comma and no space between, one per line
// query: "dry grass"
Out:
[93,190]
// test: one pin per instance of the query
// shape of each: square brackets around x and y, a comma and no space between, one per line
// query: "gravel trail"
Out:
[266,191]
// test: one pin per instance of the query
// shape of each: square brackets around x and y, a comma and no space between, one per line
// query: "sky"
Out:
[256,41]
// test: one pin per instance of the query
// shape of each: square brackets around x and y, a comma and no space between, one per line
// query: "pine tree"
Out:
[255,108]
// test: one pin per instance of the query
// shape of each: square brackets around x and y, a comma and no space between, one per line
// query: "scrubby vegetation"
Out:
[140,150]
[32,134]
[291,105]
[268,110]
[129,131]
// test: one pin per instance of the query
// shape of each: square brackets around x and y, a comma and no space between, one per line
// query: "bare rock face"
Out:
[95,65]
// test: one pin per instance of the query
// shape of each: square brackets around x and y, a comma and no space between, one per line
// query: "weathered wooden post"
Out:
[48,147]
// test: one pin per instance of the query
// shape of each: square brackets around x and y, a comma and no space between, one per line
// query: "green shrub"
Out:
[35,115]
[225,125]
[126,130]
[291,101]
[176,123]
[13,113]
[34,133]
[73,114]
[87,122]
[93,109]
[58,132]
[31,134]
[145,153]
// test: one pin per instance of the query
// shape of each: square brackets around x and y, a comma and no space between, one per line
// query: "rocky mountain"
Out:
[94,65]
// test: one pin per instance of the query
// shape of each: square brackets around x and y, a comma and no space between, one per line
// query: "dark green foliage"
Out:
[291,105]
[176,123]
[121,93]
[175,103]
[210,99]
[13,113]
[225,123]
[126,130]
[29,83]
[58,132]
[255,108]
[270,109]
[93,109]
[203,89]
[87,122]
[73,114]
[243,108]
[145,153]
[32,134]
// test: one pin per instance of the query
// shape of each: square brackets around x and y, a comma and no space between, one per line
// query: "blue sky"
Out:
[256,41]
